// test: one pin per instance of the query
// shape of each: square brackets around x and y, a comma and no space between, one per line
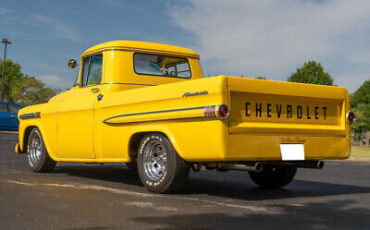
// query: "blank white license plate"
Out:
[292,152]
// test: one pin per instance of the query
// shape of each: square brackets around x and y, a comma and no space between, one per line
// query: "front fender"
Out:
[24,129]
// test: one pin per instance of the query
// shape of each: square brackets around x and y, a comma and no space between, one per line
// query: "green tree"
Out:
[23,89]
[362,95]
[30,90]
[313,73]
[13,75]
[261,78]
[360,105]
[362,123]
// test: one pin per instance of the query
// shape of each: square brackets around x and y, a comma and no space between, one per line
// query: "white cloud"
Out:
[4,11]
[272,38]
[55,81]
[6,18]
[56,27]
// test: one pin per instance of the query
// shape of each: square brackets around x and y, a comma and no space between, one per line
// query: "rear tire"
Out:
[37,156]
[161,169]
[273,176]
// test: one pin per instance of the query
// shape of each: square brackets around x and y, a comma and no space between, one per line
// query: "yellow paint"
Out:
[16,148]
[73,127]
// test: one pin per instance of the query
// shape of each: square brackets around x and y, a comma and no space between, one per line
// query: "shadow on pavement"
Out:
[90,228]
[326,215]
[297,189]
[111,173]
[232,185]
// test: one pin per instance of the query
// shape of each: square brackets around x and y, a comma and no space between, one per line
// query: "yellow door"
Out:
[75,119]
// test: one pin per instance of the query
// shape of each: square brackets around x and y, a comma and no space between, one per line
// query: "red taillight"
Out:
[37,115]
[351,117]
[223,111]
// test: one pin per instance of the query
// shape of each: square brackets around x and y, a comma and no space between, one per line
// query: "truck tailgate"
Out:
[282,108]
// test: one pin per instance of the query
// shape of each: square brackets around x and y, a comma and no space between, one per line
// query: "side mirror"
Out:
[72,63]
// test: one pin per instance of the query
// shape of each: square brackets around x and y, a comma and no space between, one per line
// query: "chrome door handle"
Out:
[95,90]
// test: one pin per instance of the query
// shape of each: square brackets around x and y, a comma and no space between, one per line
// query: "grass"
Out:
[360,152]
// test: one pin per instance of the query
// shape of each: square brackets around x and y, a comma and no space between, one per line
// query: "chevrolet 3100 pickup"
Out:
[149,105]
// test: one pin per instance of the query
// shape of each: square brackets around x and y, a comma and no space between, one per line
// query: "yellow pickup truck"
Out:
[149,105]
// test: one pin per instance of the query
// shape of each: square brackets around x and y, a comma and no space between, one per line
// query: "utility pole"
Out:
[6,41]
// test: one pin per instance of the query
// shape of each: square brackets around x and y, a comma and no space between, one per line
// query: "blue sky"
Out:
[235,37]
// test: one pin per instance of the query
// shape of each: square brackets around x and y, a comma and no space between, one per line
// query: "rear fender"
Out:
[154,129]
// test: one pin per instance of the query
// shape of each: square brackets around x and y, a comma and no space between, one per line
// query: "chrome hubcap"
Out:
[35,149]
[155,160]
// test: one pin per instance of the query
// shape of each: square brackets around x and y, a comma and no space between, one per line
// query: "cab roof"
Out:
[141,46]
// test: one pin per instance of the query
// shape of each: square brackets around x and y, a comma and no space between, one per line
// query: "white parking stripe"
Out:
[8,132]
[139,194]
[80,186]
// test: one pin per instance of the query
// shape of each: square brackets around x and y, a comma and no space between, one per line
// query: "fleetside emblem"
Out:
[189,94]
[30,115]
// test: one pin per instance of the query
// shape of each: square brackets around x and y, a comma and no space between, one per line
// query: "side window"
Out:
[3,107]
[14,108]
[92,70]
[85,70]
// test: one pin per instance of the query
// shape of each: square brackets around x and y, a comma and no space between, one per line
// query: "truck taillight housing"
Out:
[351,117]
[223,111]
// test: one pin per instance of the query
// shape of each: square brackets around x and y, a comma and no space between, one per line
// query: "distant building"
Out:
[364,139]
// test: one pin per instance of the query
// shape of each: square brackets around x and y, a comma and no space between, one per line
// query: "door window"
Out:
[14,108]
[3,108]
[92,70]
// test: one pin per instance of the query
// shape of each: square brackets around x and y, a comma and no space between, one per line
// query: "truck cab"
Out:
[132,64]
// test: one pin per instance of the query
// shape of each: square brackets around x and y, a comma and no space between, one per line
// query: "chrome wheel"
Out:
[35,149]
[155,160]
[160,168]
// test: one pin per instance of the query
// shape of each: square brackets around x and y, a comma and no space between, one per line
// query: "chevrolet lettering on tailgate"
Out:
[149,106]
[278,110]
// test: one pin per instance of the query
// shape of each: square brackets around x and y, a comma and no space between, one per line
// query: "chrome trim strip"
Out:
[125,83]
[168,119]
[153,112]
[210,111]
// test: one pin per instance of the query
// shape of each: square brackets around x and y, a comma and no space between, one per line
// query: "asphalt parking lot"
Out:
[81,196]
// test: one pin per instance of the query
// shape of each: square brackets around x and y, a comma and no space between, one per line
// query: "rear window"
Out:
[159,65]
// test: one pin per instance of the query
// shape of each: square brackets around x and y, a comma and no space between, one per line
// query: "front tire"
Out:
[273,176]
[37,156]
[161,169]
